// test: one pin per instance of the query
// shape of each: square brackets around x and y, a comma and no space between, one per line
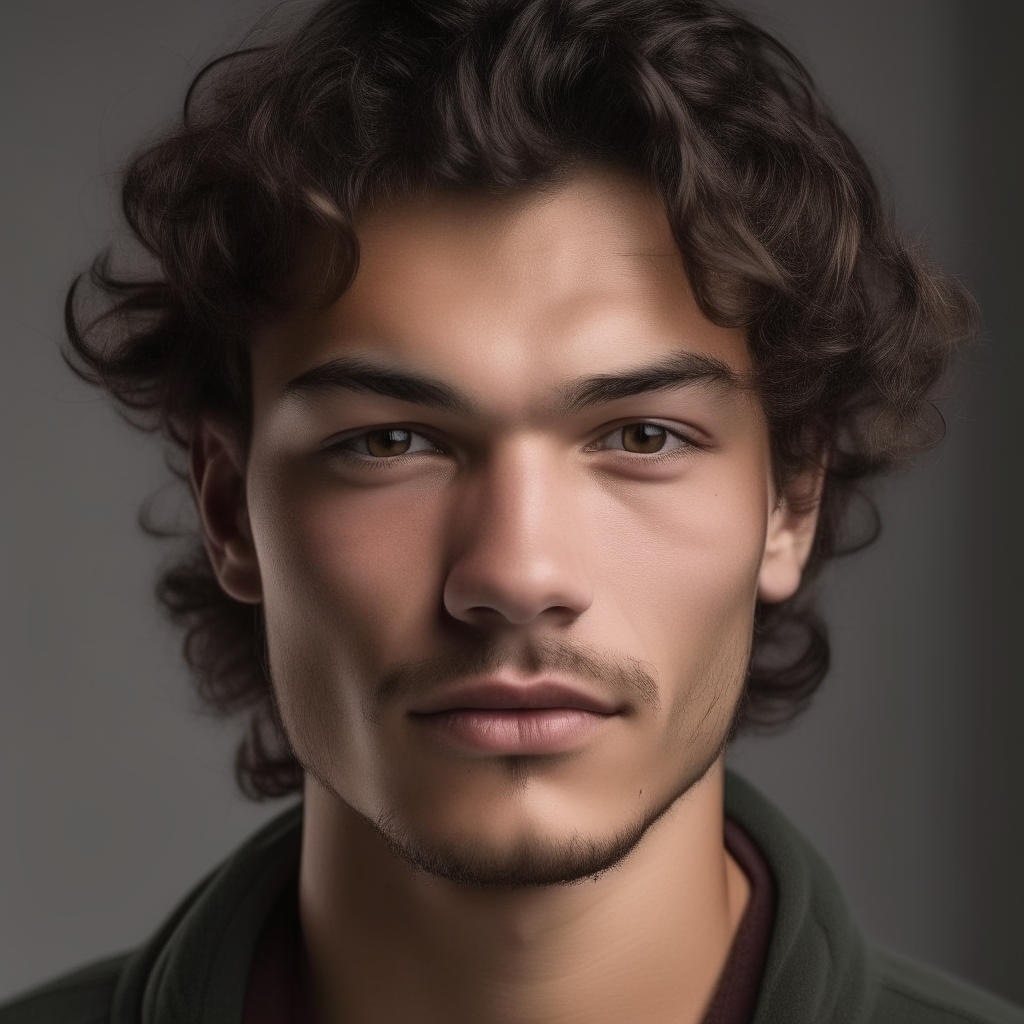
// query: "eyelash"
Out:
[345,446]
[686,445]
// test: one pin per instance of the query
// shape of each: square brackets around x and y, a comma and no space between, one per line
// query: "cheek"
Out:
[353,572]
[680,567]
[350,581]
[688,553]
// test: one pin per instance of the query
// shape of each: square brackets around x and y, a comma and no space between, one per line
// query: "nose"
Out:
[518,553]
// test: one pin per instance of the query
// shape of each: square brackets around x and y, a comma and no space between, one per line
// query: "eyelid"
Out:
[675,430]
[341,443]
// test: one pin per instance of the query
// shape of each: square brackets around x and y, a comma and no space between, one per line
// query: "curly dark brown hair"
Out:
[776,214]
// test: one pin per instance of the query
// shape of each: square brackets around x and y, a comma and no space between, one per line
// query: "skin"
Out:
[519,540]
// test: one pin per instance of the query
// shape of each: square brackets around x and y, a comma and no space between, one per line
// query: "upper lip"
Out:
[509,695]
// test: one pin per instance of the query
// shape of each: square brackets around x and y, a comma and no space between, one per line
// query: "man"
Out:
[526,356]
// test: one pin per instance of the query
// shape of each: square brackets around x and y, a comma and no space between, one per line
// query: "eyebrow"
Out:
[683,369]
[355,374]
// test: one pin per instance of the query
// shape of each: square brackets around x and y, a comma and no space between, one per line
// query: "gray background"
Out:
[115,794]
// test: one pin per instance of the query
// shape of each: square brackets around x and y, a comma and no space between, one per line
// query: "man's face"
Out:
[509,500]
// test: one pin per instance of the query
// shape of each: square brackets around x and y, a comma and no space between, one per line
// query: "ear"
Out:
[218,484]
[791,526]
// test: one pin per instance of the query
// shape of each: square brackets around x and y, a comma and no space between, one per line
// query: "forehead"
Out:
[506,295]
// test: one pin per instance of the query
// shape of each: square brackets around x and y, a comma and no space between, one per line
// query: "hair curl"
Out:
[778,219]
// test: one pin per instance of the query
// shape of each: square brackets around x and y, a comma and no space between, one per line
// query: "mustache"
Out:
[630,680]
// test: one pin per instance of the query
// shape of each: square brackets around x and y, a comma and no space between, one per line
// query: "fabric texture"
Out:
[820,968]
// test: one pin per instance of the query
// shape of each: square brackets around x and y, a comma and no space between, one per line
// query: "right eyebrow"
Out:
[682,369]
[357,374]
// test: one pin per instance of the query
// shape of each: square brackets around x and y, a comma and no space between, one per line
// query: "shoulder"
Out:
[196,965]
[82,997]
[911,993]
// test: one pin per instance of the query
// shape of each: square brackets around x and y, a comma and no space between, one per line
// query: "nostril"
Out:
[496,583]
[481,611]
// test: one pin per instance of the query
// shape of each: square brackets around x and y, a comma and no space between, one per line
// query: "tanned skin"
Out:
[508,504]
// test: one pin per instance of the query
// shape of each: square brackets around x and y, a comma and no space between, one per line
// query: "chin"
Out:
[504,842]
[531,860]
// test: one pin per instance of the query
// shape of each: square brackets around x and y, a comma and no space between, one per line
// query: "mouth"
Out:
[497,716]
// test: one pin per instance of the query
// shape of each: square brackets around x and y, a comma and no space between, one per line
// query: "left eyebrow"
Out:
[684,369]
[355,374]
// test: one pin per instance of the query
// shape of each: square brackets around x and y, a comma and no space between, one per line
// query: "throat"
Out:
[646,941]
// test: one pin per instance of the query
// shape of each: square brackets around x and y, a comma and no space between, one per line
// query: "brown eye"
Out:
[384,443]
[644,438]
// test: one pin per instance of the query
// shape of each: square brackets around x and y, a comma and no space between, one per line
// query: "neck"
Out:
[644,942]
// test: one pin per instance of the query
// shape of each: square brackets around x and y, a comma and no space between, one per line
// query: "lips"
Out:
[502,717]
[503,695]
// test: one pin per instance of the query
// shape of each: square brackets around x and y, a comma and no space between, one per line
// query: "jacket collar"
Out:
[196,967]
[820,968]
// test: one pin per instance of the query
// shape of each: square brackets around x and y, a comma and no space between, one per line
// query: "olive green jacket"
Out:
[820,968]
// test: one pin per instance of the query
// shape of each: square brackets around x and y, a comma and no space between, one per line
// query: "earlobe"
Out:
[791,527]
[218,485]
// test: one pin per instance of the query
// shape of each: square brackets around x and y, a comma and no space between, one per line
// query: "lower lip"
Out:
[514,731]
